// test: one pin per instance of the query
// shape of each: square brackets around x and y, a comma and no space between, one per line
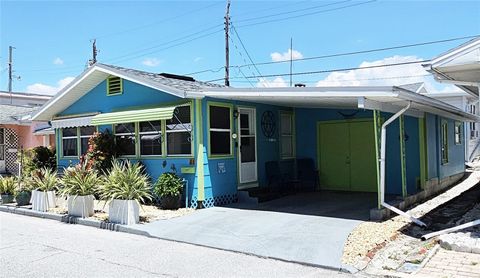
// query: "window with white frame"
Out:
[125,138]
[85,133]
[458,133]
[178,130]
[69,141]
[286,135]
[220,123]
[150,134]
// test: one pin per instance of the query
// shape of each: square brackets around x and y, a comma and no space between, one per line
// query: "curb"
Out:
[73,220]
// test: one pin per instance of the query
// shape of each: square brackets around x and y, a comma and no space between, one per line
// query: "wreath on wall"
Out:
[268,124]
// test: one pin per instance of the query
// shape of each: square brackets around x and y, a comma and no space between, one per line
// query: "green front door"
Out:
[347,155]
[334,154]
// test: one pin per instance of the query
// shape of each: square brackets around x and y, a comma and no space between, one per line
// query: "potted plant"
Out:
[169,188]
[7,189]
[125,187]
[23,193]
[79,184]
[44,182]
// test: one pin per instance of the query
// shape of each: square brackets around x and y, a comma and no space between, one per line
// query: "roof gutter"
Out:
[383,146]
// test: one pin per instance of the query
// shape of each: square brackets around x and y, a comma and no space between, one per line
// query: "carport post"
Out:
[383,145]
[402,156]
[377,129]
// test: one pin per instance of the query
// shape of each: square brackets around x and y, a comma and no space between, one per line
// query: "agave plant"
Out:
[44,179]
[126,181]
[80,180]
[7,185]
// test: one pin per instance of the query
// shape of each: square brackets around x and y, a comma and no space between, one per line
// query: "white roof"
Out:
[460,65]
[94,75]
[384,98]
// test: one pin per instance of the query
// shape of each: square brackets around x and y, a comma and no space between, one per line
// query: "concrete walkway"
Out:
[309,239]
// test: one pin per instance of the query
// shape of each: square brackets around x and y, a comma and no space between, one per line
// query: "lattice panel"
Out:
[215,201]
[11,142]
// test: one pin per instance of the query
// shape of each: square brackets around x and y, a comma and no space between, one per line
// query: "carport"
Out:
[351,151]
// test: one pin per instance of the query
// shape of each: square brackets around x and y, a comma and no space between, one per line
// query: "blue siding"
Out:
[133,95]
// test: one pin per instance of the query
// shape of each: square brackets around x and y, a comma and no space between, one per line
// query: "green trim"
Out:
[116,93]
[187,170]
[377,122]
[220,104]
[403,163]
[200,167]
[292,119]
[444,141]
[423,152]
[458,125]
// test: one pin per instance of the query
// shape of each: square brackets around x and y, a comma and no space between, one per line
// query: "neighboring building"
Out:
[461,66]
[221,139]
[467,103]
[17,131]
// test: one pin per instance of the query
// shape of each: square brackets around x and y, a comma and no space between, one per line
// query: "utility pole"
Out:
[227,55]
[291,60]
[93,61]
[10,72]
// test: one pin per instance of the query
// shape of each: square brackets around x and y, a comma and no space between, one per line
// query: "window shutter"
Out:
[114,85]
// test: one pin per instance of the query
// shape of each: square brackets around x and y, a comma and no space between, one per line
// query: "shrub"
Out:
[44,179]
[168,185]
[125,181]
[7,185]
[101,151]
[37,158]
[80,180]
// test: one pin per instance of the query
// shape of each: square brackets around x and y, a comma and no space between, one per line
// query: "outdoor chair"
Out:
[308,174]
[278,180]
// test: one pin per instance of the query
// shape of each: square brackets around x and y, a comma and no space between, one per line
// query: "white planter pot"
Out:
[124,212]
[42,201]
[81,206]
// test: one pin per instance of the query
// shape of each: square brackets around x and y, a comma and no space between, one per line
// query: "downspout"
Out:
[383,144]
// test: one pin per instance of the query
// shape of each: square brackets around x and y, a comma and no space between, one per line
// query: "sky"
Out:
[53,39]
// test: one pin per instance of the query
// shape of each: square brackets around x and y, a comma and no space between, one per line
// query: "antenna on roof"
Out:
[93,61]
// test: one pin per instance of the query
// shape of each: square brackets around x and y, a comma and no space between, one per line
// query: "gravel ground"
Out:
[148,213]
[369,237]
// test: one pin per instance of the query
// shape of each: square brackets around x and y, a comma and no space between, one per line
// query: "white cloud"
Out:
[151,62]
[58,61]
[197,59]
[39,88]
[386,76]
[277,82]
[285,56]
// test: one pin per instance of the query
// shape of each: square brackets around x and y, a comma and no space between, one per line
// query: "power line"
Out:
[294,11]
[350,53]
[334,70]
[306,14]
[157,22]
[168,42]
[245,49]
[240,53]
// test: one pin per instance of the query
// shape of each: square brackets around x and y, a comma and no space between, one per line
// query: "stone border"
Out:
[432,188]
[73,220]
[126,229]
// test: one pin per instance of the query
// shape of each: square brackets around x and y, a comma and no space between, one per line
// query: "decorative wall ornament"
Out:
[348,116]
[268,123]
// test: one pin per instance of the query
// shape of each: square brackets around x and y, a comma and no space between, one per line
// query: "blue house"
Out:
[223,140]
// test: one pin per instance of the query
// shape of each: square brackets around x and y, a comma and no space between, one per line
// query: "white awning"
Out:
[72,122]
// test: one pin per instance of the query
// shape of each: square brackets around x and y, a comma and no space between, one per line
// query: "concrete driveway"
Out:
[299,228]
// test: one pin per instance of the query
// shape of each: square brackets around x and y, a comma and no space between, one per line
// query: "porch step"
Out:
[260,194]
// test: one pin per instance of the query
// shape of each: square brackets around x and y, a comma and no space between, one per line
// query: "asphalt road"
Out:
[33,247]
